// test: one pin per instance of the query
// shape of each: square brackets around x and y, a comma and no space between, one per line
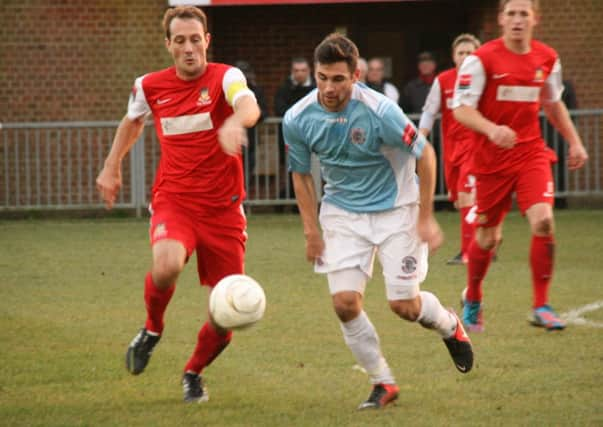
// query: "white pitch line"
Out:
[574,317]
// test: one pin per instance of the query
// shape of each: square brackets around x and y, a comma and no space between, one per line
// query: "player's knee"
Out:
[487,241]
[347,305]
[165,272]
[406,309]
[543,226]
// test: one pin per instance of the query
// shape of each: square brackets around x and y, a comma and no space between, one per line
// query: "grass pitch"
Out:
[72,301]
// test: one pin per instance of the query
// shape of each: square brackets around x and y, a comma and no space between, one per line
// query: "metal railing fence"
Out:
[53,165]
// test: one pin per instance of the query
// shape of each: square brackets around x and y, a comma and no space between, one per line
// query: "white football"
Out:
[237,302]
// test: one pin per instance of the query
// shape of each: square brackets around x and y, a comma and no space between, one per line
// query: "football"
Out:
[237,302]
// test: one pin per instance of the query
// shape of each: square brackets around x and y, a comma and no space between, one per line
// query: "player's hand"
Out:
[232,136]
[576,156]
[430,232]
[315,247]
[108,184]
[503,136]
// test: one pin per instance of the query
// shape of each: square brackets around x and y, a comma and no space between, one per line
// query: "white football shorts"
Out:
[353,239]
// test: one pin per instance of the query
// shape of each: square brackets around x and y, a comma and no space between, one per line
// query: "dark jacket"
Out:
[414,96]
[289,93]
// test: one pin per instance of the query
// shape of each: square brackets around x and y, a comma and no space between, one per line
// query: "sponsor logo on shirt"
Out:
[358,136]
[518,93]
[499,76]
[464,81]
[410,135]
[339,120]
[186,124]
[204,97]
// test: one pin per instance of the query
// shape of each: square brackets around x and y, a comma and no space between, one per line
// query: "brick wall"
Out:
[76,59]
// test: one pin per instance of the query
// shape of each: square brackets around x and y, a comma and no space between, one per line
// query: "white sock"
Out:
[434,316]
[362,339]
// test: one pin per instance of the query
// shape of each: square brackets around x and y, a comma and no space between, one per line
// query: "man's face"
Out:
[188,47]
[335,83]
[426,67]
[518,20]
[300,72]
[461,51]
[375,72]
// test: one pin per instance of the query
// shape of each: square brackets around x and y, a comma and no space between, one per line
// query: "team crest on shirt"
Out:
[539,75]
[464,81]
[358,136]
[204,97]
[410,135]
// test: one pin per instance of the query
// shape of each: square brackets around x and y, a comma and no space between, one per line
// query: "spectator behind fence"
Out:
[375,79]
[249,72]
[297,85]
[415,92]
[362,69]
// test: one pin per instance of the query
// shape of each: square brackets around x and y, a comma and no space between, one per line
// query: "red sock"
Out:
[477,267]
[467,231]
[156,301]
[541,260]
[209,345]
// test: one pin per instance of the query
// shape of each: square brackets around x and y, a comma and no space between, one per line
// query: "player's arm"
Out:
[468,90]
[427,227]
[246,112]
[303,183]
[129,130]
[307,203]
[556,112]
[430,109]
[399,130]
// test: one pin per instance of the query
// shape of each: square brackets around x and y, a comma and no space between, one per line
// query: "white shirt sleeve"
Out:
[470,83]
[432,106]
[234,86]
[553,86]
[137,105]
[391,92]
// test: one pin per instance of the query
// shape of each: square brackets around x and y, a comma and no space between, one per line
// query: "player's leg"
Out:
[493,198]
[535,197]
[466,201]
[451,177]
[404,260]
[347,288]
[172,243]
[220,253]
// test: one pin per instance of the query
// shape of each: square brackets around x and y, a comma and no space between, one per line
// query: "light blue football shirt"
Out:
[367,152]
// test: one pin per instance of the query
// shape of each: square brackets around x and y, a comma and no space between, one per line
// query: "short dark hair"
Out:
[337,48]
[183,12]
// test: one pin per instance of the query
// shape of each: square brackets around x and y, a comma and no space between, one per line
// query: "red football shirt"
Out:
[508,88]
[187,116]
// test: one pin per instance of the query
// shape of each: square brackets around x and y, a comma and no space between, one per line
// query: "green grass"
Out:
[72,300]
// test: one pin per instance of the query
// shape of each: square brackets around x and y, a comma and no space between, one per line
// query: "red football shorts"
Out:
[218,235]
[532,183]
[458,180]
